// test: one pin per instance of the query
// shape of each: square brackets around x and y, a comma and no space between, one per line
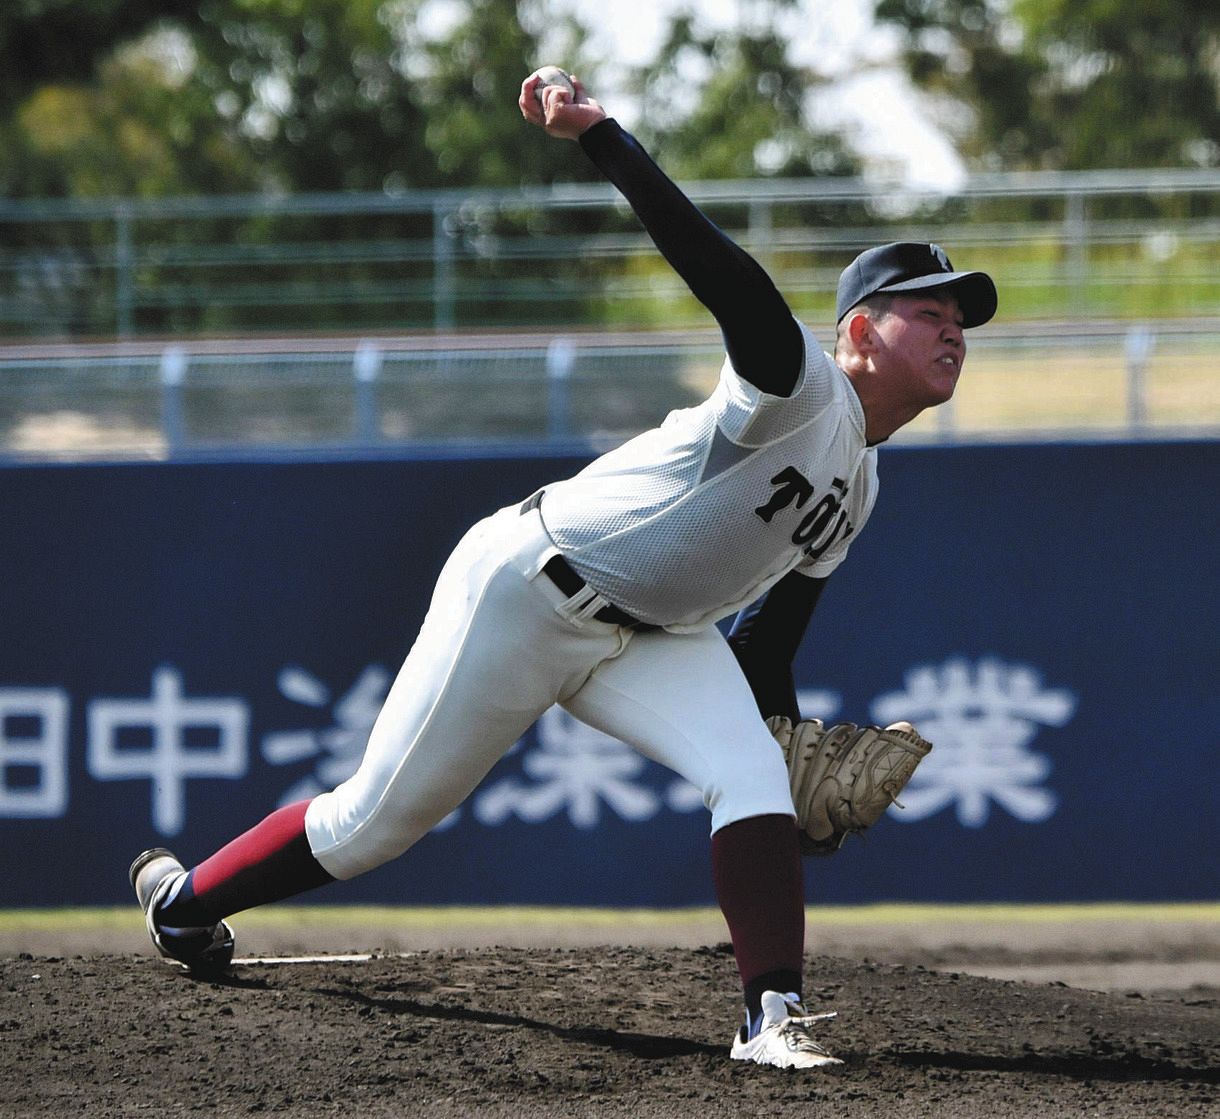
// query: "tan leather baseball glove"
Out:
[844,777]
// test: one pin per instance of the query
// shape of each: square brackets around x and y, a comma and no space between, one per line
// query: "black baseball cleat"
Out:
[203,951]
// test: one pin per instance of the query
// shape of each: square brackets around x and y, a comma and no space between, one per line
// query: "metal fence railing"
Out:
[368,320]
[1081,245]
[157,400]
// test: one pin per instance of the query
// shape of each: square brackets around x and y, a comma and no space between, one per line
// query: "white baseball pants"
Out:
[499,645]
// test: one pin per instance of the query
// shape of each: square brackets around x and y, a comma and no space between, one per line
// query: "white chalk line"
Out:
[352,958]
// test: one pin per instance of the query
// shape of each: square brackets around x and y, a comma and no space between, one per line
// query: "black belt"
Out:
[564,576]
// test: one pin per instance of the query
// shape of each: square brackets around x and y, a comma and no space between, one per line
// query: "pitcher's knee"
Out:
[764,792]
[347,844]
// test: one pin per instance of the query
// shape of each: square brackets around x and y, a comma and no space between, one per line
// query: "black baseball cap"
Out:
[914,266]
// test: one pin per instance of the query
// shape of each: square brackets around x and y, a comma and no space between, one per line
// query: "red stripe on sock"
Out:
[269,862]
[263,841]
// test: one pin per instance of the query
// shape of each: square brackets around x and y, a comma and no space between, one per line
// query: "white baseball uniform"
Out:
[679,527]
[601,593]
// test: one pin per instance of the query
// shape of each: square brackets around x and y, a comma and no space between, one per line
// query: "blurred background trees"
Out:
[733,104]
[1069,84]
[206,96]
[154,97]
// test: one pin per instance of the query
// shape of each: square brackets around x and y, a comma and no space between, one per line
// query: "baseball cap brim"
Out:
[975,292]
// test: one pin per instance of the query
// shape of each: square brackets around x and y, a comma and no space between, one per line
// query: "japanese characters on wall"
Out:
[192,644]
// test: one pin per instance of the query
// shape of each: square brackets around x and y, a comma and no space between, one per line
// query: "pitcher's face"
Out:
[922,347]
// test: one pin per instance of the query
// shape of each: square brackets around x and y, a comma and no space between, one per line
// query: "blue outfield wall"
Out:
[185,646]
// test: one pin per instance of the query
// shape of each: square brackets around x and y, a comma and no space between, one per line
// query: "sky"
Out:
[888,119]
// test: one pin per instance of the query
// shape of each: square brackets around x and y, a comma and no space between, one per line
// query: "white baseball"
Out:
[553,75]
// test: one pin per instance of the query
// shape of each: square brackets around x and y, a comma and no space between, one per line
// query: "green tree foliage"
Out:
[1136,83]
[314,90]
[92,102]
[732,104]
[292,95]
[147,97]
[64,41]
[138,129]
[468,88]
[1071,83]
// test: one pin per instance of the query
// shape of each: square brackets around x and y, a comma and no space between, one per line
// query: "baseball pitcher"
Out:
[600,592]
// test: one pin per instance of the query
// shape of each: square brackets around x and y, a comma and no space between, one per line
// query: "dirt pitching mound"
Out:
[580,1032]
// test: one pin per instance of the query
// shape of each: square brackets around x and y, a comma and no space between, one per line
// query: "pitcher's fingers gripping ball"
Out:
[844,777]
[553,76]
[556,101]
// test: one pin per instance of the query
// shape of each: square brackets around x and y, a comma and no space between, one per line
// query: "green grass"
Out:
[525,917]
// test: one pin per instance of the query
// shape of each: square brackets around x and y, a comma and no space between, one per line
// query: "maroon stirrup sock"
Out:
[756,864]
[270,862]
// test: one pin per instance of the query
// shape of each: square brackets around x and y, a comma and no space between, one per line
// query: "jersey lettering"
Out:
[814,523]
[793,488]
[844,526]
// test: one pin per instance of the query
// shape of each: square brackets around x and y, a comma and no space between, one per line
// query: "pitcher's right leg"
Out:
[492,655]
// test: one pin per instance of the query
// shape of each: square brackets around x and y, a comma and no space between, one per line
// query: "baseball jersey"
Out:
[691,521]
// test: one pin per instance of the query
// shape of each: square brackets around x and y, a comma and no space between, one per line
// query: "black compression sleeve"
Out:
[765,636]
[762,338]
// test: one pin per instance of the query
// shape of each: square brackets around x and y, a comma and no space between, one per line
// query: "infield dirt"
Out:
[640,1030]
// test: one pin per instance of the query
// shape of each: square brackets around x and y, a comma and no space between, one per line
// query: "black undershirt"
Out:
[761,336]
[765,636]
[767,349]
